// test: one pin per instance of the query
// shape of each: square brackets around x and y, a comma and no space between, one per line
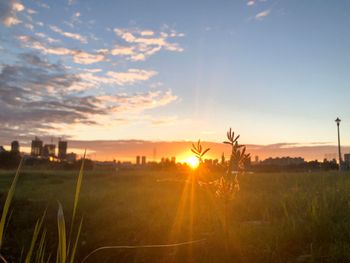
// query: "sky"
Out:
[274,71]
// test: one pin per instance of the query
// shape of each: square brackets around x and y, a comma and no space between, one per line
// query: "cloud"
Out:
[37,96]
[47,38]
[79,56]
[131,76]
[144,43]
[75,36]
[29,26]
[31,11]
[122,51]
[262,14]
[8,11]
[137,102]
[250,3]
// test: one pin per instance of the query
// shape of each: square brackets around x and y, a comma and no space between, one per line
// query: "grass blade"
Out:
[8,201]
[74,249]
[37,229]
[76,199]
[62,242]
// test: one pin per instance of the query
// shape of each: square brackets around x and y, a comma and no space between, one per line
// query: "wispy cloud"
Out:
[144,43]
[37,96]
[131,76]
[262,14]
[79,56]
[47,38]
[250,3]
[8,12]
[75,36]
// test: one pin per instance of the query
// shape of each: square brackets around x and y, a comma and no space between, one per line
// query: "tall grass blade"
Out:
[40,253]
[76,199]
[74,248]
[36,232]
[8,201]
[62,242]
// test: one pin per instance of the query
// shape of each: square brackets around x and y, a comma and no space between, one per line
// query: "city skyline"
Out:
[274,71]
[128,150]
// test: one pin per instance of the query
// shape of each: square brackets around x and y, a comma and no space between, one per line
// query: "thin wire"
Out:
[143,246]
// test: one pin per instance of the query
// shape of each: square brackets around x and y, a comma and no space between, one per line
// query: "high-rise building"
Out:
[49,150]
[347,158]
[62,150]
[143,161]
[138,160]
[15,147]
[37,147]
[256,159]
[173,159]
[222,159]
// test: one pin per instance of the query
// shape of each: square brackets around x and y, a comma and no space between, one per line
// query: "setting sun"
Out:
[192,161]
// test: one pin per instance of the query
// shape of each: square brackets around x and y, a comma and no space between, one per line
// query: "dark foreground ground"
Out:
[275,217]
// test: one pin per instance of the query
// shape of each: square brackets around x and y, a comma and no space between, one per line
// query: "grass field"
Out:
[275,217]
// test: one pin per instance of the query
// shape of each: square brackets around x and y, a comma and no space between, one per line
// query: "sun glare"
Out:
[192,161]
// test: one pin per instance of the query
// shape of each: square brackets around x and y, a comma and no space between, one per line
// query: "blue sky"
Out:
[274,71]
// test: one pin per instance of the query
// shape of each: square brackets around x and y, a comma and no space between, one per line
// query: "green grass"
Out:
[275,217]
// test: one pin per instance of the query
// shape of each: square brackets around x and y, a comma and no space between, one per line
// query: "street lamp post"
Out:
[339,151]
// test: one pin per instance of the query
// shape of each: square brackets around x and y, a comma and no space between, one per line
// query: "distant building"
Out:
[2,149]
[37,147]
[62,150]
[256,159]
[143,160]
[138,160]
[71,157]
[347,158]
[222,159]
[15,147]
[173,159]
[284,161]
[49,150]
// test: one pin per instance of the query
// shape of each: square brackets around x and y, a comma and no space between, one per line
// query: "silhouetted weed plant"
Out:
[227,186]
[199,151]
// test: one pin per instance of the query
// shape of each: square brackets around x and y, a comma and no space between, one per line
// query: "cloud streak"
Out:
[74,36]
[263,14]
[144,43]
[78,56]
[8,12]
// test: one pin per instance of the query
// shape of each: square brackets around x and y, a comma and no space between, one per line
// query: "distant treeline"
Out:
[11,160]
[302,167]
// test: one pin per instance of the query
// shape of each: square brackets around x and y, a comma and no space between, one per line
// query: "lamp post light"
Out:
[339,151]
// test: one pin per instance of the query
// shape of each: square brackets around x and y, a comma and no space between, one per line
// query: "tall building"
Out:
[15,147]
[143,161]
[347,158]
[62,150]
[49,150]
[222,159]
[37,147]
[2,149]
[173,159]
[138,160]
